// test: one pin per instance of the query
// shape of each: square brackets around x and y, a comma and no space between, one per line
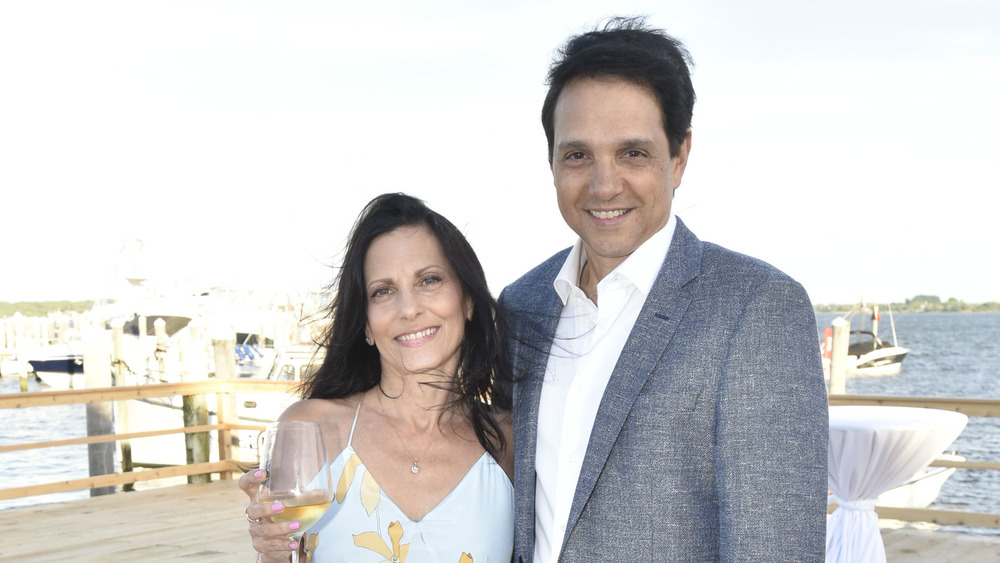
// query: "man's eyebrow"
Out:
[623,143]
[636,142]
[572,145]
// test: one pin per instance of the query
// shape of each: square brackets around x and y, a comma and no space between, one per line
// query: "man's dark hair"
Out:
[627,49]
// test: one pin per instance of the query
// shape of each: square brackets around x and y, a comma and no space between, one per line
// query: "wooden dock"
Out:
[205,523]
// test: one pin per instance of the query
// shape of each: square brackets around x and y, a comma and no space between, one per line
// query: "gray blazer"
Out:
[710,443]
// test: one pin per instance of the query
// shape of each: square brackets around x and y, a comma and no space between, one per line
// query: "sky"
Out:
[847,143]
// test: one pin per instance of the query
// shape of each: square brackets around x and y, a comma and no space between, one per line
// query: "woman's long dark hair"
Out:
[352,366]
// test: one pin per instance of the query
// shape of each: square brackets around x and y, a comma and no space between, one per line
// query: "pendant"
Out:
[414,468]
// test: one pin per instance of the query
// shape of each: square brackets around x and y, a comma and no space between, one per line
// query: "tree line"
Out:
[921,304]
[918,304]
[43,308]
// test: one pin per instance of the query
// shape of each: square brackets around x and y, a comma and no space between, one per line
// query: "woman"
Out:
[407,404]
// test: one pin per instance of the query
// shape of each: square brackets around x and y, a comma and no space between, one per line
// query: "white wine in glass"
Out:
[298,475]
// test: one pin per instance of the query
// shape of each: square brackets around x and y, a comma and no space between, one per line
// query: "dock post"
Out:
[224,350]
[97,371]
[194,368]
[121,407]
[838,356]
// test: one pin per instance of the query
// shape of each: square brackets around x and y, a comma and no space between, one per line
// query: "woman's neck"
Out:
[418,402]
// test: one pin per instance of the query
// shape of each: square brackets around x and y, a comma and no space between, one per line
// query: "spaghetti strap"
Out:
[350,438]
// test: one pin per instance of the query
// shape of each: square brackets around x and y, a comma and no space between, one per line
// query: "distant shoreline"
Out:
[43,308]
[918,304]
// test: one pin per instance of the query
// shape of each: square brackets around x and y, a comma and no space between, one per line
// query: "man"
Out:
[671,405]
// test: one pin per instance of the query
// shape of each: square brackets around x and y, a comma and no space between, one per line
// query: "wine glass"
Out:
[298,475]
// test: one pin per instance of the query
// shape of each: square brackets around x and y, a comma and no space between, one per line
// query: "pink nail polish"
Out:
[277,506]
[294,526]
[257,474]
[293,546]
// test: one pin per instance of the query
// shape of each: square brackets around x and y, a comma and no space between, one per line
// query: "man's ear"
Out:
[679,162]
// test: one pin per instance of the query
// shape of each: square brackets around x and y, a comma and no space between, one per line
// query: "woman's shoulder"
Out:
[317,410]
[335,417]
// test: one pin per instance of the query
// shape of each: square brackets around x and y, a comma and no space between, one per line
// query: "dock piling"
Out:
[838,356]
[97,371]
[194,368]
[121,379]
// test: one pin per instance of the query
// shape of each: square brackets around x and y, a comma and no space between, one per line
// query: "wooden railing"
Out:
[225,390]
[968,407]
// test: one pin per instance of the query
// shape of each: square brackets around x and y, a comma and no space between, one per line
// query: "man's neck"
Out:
[593,272]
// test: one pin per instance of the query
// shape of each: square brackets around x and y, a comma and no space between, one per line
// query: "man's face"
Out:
[612,168]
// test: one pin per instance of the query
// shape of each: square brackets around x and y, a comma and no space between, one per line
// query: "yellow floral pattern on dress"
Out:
[371,493]
[346,477]
[311,543]
[374,542]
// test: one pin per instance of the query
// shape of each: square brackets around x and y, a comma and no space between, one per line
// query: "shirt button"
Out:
[591,325]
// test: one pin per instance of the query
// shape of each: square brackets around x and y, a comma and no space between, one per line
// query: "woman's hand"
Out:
[270,539]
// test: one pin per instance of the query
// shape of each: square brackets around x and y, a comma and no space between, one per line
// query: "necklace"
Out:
[415,467]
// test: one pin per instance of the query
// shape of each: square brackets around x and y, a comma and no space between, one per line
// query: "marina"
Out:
[47,455]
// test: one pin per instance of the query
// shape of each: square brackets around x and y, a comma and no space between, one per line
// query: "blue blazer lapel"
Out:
[660,315]
[535,327]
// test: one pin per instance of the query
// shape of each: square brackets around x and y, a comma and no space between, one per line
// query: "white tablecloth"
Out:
[873,449]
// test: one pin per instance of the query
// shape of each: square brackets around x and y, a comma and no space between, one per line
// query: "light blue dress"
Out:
[473,524]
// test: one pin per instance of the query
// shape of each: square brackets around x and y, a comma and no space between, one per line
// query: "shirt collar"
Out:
[641,267]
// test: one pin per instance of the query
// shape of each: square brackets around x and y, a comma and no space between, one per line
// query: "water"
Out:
[951,355]
[37,424]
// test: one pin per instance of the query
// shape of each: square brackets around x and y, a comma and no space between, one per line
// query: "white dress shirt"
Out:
[586,347]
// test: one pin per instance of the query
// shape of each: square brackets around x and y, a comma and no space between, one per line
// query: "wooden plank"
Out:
[938,516]
[133,435]
[107,438]
[969,407]
[993,465]
[205,523]
[105,394]
[120,478]
[934,516]
[908,545]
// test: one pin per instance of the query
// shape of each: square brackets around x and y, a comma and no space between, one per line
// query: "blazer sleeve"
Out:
[773,428]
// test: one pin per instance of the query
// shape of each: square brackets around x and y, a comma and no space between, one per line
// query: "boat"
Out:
[871,356]
[922,488]
[291,363]
[59,365]
[867,353]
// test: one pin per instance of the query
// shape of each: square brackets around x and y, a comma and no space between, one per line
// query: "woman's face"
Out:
[416,307]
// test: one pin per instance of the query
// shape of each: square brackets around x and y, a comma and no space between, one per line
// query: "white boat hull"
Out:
[922,489]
